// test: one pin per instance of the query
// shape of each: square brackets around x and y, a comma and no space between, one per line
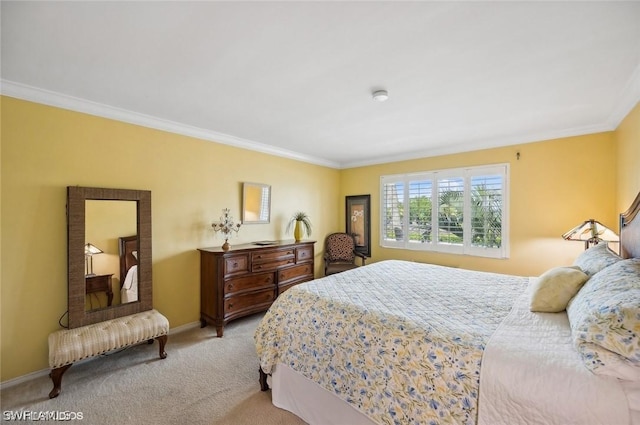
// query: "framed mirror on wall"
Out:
[256,203]
[106,223]
[105,227]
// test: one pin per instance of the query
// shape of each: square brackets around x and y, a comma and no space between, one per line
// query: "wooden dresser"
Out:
[248,278]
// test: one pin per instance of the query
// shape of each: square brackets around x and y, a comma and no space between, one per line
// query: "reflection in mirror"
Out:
[128,253]
[256,203]
[106,221]
[99,217]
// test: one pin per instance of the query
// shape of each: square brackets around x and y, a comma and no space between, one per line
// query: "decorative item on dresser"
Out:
[247,278]
[301,223]
[226,225]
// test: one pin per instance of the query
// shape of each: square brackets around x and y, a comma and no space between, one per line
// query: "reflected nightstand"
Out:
[100,283]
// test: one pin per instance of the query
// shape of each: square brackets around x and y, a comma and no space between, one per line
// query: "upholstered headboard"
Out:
[630,231]
[128,255]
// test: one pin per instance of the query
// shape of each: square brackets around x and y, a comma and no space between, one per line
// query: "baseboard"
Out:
[24,378]
[186,327]
[45,372]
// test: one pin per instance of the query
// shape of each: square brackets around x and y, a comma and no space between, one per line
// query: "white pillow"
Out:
[596,258]
[553,290]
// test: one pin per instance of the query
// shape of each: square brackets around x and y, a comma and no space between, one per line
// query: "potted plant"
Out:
[302,224]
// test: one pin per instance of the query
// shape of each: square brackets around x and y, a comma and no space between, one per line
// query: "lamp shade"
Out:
[591,231]
[90,249]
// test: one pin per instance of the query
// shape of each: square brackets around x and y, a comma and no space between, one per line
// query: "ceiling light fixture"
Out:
[380,95]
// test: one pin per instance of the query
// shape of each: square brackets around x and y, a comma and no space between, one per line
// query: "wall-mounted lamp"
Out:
[89,251]
[591,232]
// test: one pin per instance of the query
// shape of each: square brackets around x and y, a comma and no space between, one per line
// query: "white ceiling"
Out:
[295,78]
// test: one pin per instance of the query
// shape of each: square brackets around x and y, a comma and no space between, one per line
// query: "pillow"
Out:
[596,258]
[553,290]
[606,311]
[605,362]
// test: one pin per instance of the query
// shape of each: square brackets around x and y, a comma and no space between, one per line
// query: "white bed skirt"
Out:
[309,401]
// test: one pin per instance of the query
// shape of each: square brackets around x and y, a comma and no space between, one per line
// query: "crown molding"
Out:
[63,101]
[475,146]
[628,99]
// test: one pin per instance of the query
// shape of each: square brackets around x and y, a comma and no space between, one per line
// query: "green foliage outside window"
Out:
[486,218]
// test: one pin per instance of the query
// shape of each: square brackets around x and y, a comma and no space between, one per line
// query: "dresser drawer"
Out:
[272,255]
[248,283]
[304,254]
[249,301]
[282,287]
[272,265]
[236,264]
[290,274]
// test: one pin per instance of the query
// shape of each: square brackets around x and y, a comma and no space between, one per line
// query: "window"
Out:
[462,211]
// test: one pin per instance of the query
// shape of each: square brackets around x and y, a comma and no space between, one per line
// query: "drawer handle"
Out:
[235,265]
[258,256]
[230,306]
[258,267]
[229,286]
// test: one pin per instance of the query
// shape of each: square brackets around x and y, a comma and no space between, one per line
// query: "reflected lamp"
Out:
[591,232]
[89,251]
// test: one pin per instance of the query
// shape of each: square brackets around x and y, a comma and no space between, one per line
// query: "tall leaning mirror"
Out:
[109,253]
[256,203]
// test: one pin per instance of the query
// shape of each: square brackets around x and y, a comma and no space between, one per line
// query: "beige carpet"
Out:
[204,380]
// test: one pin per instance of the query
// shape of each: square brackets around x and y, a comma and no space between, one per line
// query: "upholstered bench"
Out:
[71,345]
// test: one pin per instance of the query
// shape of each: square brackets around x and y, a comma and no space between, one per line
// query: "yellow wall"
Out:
[628,141]
[555,185]
[45,149]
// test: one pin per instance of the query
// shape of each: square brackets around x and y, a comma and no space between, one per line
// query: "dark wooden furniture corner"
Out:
[100,283]
[248,278]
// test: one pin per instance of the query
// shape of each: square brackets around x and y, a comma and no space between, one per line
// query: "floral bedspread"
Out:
[400,341]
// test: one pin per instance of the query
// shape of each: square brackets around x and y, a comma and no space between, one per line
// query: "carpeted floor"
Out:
[204,380]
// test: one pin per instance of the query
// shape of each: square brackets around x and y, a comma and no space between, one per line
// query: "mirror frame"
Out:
[245,186]
[76,197]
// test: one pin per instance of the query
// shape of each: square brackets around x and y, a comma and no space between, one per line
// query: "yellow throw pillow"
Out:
[553,290]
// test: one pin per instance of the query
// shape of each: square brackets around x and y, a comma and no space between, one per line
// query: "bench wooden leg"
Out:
[162,340]
[56,377]
[263,381]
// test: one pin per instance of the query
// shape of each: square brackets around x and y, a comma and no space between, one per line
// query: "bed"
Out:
[395,342]
[128,251]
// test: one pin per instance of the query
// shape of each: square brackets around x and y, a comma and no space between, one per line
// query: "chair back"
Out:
[340,247]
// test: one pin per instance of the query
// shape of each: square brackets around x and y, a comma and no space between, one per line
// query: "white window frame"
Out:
[466,248]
